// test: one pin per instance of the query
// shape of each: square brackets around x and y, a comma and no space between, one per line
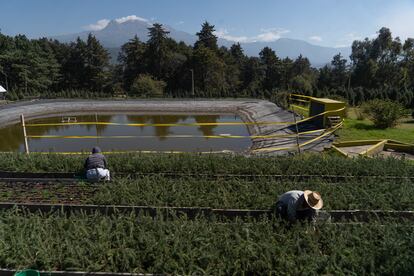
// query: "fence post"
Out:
[26,144]
[96,128]
[296,123]
[297,131]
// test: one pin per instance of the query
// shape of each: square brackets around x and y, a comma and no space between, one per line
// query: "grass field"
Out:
[355,129]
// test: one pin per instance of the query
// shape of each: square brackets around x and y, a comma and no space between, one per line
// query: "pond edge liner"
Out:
[206,212]
[11,272]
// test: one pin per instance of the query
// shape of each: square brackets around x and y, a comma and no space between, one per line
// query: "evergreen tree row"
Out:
[382,67]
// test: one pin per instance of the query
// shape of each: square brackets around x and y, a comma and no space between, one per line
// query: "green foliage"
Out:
[146,86]
[206,37]
[261,193]
[177,245]
[28,65]
[95,61]
[271,66]
[382,68]
[360,115]
[12,96]
[158,53]
[301,84]
[233,193]
[281,99]
[312,164]
[384,114]
[131,58]
[209,72]
[36,67]
[129,243]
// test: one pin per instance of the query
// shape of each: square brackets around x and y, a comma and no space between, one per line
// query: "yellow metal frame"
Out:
[377,146]
[331,107]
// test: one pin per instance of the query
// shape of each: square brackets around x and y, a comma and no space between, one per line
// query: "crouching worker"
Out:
[96,166]
[299,205]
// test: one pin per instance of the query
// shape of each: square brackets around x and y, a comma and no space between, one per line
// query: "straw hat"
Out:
[313,199]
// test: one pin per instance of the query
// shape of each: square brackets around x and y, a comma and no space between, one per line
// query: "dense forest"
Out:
[382,67]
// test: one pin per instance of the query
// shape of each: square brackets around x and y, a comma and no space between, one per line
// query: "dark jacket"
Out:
[94,161]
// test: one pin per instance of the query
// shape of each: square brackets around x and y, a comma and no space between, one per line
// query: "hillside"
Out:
[115,34]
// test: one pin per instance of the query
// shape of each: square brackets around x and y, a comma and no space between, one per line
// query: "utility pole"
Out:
[192,83]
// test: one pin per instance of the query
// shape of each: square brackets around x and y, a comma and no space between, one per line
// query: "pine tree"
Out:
[96,62]
[206,37]
[272,68]
[132,61]
[209,71]
[158,53]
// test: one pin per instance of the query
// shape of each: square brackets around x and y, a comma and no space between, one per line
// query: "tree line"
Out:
[378,68]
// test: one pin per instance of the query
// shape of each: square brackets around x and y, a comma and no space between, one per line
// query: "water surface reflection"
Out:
[158,138]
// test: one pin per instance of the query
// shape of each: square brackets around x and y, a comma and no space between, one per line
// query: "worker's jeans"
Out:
[301,215]
[98,174]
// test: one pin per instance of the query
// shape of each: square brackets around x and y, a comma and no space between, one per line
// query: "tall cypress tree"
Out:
[96,62]
[132,60]
[206,37]
[157,51]
[272,67]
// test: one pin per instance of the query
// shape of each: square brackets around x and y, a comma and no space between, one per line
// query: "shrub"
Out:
[384,113]
[146,86]
[302,84]
[359,113]
[12,96]
[281,98]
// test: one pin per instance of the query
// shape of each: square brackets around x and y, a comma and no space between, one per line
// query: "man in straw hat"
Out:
[299,205]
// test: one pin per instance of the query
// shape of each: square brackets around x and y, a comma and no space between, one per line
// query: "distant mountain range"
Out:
[115,34]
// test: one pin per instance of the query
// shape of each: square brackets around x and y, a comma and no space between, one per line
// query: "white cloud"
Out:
[99,25]
[348,39]
[269,35]
[130,18]
[179,23]
[316,38]
[265,35]
[223,33]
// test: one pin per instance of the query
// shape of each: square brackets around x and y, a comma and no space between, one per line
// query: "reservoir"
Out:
[129,132]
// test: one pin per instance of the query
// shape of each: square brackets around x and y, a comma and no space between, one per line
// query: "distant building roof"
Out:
[2,90]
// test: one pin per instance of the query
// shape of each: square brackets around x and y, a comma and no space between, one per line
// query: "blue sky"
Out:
[323,22]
